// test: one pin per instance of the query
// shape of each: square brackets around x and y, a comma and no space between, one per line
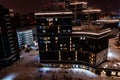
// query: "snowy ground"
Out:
[27,69]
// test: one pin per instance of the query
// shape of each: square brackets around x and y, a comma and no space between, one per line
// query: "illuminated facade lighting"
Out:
[92,10]
[73,46]
[76,3]
[108,21]
[53,13]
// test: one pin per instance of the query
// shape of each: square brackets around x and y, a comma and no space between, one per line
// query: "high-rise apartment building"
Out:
[9,50]
[53,28]
[25,37]
[64,45]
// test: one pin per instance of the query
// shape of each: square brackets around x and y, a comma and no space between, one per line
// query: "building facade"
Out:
[9,50]
[109,23]
[82,13]
[25,37]
[77,8]
[90,14]
[64,45]
[113,24]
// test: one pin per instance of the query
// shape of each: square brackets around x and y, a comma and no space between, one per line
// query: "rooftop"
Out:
[90,29]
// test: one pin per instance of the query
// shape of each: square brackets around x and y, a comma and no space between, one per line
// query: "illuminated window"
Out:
[84,67]
[50,23]
[40,27]
[56,41]
[61,45]
[113,73]
[46,49]
[56,19]
[50,19]
[49,42]
[76,66]
[58,27]
[73,45]
[65,48]
[64,30]
[118,73]
[61,65]
[58,31]
[48,37]
[70,39]
[73,65]
[44,31]
[103,73]
[69,30]
[80,38]
[75,55]
[83,38]
[119,24]
[56,38]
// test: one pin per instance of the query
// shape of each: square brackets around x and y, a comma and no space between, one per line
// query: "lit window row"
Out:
[62,45]
[82,38]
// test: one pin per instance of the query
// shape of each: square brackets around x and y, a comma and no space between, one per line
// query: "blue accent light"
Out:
[40,27]
[69,30]
[119,24]
[44,31]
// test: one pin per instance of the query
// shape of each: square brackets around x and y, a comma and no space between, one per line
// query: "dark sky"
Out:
[25,6]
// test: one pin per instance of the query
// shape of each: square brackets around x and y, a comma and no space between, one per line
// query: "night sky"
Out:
[26,6]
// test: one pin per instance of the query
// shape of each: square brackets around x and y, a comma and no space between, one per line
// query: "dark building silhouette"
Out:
[24,21]
[61,3]
[63,45]
[57,5]
[9,50]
